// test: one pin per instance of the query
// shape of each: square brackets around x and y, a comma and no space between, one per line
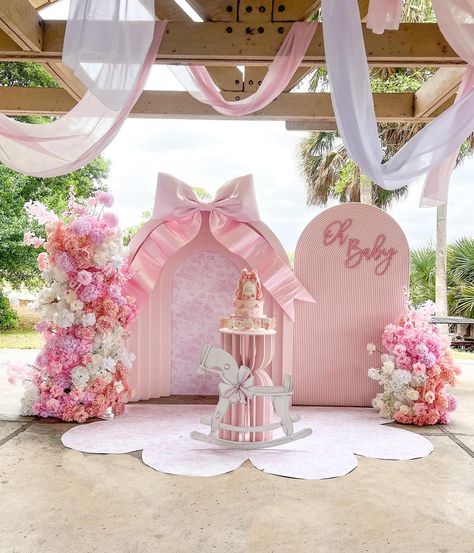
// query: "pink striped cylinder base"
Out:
[255,351]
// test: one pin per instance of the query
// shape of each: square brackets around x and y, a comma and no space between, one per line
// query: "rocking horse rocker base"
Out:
[237,387]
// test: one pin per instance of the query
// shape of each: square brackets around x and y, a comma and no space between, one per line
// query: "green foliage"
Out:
[8,317]
[202,193]
[131,231]
[17,260]
[460,276]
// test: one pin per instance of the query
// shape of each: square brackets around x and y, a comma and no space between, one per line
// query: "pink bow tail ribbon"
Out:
[177,220]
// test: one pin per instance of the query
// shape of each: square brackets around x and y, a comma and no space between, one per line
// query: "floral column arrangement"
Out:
[416,371]
[84,315]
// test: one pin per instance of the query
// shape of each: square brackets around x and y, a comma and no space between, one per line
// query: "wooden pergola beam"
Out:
[287,107]
[438,91]
[21,22]
[319,125]
[413,44]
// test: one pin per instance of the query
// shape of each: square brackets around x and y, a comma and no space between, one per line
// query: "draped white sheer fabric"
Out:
[198,82]
[354,108]
[106,43]
[82,134]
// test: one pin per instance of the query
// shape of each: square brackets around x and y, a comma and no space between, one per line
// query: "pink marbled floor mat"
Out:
[162,432]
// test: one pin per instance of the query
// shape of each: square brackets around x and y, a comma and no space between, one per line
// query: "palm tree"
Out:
[330,173]
[460,276]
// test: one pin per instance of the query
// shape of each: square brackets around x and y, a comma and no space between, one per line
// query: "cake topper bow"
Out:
[177,219]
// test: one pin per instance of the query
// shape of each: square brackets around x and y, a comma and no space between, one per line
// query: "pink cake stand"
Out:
[255,350]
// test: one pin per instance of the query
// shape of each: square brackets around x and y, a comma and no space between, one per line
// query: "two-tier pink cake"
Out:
[248,313]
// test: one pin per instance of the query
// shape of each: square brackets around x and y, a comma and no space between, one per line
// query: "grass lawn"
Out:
[25,335]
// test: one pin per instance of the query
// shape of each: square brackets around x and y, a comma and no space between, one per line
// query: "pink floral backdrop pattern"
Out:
[202,292]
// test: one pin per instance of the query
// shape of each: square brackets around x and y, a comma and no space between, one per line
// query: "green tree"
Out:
[18,261]
[460,276]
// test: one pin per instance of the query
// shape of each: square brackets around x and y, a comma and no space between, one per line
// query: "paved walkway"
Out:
[54,499]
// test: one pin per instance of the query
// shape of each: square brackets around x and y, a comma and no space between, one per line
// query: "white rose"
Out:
[429,396]
[412,394]
[405,410]
[119,387]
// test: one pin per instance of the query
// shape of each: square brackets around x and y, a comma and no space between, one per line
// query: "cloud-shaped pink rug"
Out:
[162,432]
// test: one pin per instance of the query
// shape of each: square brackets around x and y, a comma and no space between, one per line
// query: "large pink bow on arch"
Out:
[176,220]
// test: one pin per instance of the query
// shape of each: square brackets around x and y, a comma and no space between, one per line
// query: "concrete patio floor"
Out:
[53,499]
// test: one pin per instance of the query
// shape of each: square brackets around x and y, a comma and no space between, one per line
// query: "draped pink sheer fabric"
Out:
[82,134]
[198,82]
[384,14]
[176,221]
[354,109]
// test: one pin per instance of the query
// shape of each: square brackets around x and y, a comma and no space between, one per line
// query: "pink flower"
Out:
[31,240]
[110,219]
[105,324]
[105,198]
[84,277]
[43,261]
[39,212]
[399,349]
[419,369]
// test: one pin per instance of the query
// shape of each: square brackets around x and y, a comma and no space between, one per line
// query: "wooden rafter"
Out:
[230,44]
[24,26]
[288,106]
[438,91]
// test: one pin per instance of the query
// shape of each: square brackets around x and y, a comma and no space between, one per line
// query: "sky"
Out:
[209,153]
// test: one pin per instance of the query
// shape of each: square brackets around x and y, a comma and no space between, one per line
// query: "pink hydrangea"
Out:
[110,219]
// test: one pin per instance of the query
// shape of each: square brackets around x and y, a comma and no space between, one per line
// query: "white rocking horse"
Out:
[237,386]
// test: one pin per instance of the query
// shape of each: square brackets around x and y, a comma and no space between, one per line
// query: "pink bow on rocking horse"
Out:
[239,391]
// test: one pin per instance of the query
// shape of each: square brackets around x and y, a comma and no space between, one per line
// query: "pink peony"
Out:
[105,324]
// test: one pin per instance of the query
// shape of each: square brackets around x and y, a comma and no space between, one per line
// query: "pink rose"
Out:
[419,369]
[105,324]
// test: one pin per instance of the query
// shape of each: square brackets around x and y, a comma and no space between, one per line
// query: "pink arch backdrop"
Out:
[154,332]
[354,260]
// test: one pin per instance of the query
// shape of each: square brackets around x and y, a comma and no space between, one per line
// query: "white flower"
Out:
[429,396]
[108,364]
[388,367]
[65,319]
[88,319]
[117,261]
[59,275]
[119,387]
[374,374]
[412,394]
[80,377]
[77,305]
[371,348]
[46,295]
[404,409]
